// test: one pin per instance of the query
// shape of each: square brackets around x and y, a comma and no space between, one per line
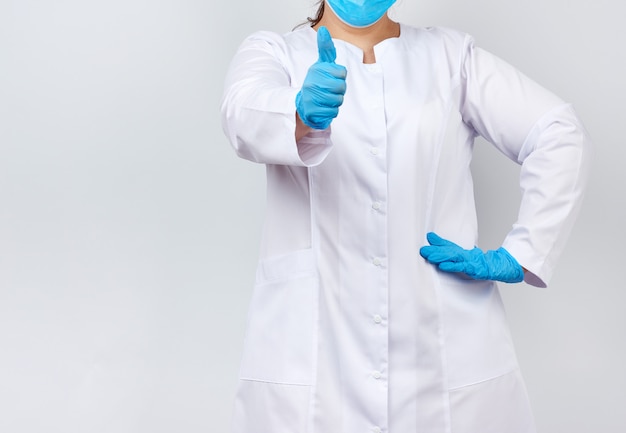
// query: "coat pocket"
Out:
[477,339]
[280,333]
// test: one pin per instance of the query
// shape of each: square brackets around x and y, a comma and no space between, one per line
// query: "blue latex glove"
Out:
[493,265]
[322,92]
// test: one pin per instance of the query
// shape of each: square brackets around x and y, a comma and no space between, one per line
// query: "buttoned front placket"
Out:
[375,309]
[351,189]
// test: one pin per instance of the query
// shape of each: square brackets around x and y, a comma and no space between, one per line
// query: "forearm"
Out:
[258,108]
[301,129]
[555,164]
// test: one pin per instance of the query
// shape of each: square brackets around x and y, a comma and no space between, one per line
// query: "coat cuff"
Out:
[538,272]
[267,135]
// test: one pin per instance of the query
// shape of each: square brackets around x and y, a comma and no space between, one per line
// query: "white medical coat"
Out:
[349,329]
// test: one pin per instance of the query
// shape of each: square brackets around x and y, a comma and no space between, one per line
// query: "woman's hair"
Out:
[316,19]
[318,15]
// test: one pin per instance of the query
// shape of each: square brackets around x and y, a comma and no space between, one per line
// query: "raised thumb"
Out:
[325,46]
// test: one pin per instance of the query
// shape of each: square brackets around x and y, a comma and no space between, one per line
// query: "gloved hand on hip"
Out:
[491,265]
[322,92]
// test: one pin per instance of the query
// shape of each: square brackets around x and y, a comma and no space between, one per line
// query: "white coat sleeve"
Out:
[538,130]
[258,106]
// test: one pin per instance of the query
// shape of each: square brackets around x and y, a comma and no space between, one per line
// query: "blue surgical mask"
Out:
[360,13]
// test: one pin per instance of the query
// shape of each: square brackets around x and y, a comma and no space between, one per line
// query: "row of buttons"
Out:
[376,261]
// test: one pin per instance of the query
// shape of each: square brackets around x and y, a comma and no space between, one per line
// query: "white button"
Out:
[376,430]
[374,151]
[377,262]
[376,205]
[377,375]
[378,319]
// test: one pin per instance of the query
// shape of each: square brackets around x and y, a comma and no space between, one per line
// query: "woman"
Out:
[367,138]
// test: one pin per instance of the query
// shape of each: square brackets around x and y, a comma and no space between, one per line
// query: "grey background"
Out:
[129,230]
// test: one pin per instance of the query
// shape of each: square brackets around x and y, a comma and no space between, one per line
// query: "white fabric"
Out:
[501,415]
[350,330]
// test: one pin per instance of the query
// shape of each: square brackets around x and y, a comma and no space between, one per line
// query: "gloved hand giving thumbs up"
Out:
[322,92]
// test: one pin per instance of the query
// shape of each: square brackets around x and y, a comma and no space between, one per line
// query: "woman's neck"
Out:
[363,37]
